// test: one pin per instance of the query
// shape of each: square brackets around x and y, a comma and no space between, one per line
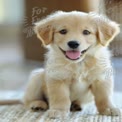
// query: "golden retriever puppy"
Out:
[77,64]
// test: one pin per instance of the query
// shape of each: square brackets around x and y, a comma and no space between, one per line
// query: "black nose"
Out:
[73,44]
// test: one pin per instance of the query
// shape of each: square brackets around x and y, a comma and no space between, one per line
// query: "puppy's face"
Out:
[72,34]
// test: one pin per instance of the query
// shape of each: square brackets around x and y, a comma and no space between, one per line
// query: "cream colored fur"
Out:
[64,81]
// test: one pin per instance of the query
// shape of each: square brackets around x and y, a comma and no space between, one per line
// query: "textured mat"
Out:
[17,113]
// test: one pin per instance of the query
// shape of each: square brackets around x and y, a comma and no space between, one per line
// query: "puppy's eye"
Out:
[86,32]
[63,31]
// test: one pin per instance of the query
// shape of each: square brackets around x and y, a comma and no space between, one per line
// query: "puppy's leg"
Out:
[33,97]
[102,91]
[59,100]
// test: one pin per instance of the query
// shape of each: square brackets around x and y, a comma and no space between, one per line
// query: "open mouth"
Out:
[74,54]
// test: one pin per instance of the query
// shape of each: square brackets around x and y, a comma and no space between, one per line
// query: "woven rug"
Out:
[17,113]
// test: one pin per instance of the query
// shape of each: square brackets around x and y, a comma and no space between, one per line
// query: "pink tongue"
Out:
[73,54]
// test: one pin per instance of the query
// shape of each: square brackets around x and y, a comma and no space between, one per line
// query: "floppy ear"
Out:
[44,31]
[45,28]
[106,29]
[107,32]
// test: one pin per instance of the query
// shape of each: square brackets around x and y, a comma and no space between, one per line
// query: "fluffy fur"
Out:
[65,84]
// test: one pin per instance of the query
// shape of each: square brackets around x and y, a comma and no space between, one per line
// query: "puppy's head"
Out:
[72,34]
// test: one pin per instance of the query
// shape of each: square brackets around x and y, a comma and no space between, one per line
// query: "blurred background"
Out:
[21,51]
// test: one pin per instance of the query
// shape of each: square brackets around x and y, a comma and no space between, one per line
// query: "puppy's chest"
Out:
[78,88]
[79,83]
[80,74]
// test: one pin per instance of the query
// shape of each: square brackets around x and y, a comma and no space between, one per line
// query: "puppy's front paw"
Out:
[38,105]
[56,114]
[111,112]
